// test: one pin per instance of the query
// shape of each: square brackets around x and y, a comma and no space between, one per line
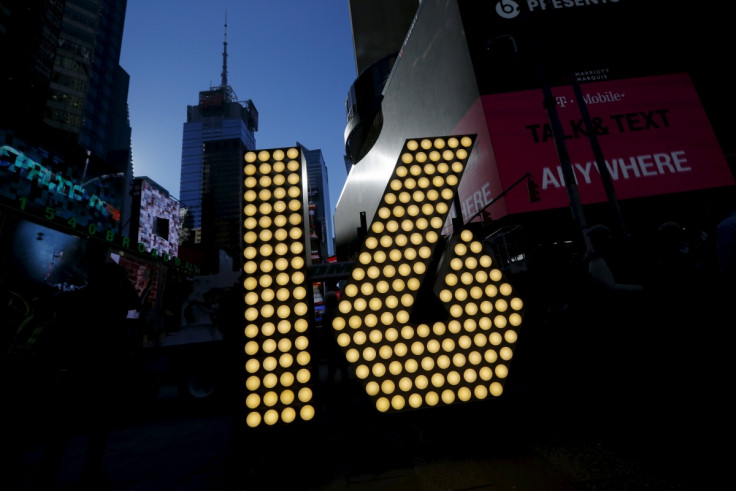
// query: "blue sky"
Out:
[293,58]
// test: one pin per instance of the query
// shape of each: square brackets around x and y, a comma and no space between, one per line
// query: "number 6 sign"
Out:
[464,353]
[423,320]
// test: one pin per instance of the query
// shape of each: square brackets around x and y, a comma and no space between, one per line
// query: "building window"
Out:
[161,227]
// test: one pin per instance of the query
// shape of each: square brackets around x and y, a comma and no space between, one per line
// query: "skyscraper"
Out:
[86,74]
[28,40]
[217,133]
[318,196]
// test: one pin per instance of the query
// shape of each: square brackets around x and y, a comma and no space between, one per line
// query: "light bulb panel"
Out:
[461,357]
[277,295]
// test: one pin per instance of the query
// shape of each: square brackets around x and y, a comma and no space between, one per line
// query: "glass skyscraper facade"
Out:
[217,133]
[321,230]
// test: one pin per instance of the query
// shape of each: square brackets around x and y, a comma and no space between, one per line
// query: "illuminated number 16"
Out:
[460,356]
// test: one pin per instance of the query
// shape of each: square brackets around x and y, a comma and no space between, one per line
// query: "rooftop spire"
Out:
[224,55]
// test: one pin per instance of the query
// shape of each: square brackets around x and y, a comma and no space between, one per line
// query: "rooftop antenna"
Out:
[224,55]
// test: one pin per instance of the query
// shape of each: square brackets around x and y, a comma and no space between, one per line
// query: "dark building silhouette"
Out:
[29,64]
[64,95]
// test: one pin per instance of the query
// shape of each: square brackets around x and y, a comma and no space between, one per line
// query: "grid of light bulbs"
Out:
[464,357]
[278,361]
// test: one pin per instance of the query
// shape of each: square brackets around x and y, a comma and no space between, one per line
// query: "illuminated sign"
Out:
[33,174]
[276,290]
[461,353]
[33,190]
[653,131]
[158,225]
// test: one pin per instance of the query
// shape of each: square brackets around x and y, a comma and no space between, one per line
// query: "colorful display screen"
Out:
[653,132]
[36,183]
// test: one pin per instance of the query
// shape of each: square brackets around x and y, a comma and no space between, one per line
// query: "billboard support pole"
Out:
[598,154]
[550,103]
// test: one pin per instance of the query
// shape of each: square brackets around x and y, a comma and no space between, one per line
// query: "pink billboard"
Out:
[653,132]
